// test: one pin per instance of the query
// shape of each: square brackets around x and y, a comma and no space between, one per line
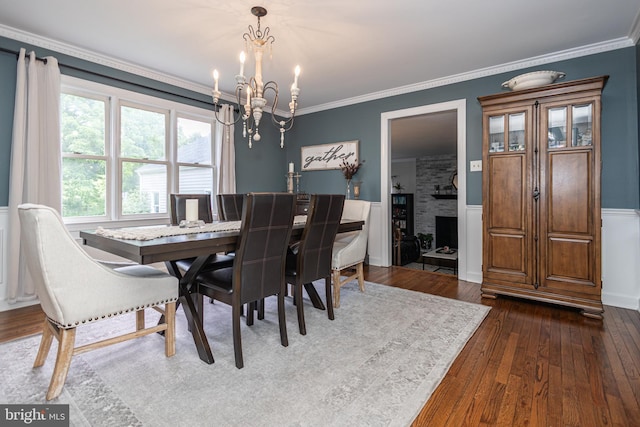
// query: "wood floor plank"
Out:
[21,322]
[540,391]
[510,402]
[527,364]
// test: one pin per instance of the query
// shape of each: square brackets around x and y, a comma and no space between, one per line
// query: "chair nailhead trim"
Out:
[89,320]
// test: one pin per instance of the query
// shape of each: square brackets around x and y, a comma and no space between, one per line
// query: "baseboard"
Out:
[5,306]
[620,301]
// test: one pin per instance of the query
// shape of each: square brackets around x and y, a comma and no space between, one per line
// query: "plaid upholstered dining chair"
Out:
[310,259]
[230,206]
[258,268]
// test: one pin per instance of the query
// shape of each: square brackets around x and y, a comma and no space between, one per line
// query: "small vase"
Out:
[348,195]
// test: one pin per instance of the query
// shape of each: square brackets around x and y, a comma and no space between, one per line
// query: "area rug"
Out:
[376,364]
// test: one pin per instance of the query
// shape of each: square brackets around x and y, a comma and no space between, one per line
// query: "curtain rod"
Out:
[94,73]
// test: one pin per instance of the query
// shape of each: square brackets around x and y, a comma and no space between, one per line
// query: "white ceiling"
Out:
[348,50]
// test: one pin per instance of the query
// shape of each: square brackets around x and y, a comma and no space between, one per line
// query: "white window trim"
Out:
[116,97]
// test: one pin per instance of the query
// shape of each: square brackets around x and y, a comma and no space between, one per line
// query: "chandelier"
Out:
[254,89]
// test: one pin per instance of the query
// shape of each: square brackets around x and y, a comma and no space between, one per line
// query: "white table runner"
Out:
[150,233]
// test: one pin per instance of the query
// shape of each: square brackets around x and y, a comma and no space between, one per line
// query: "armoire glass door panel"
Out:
[516,132]
[581,125]
[557,123]
[496,134]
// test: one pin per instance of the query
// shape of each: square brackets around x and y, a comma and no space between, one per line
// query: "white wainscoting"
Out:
[473,244]
[621,258]
[375,237]
[4,222]
[620,253]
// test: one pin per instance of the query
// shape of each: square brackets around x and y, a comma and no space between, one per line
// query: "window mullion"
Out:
[143,186]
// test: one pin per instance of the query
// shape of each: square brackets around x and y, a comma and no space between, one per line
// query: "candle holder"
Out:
[290,176]
[297,177]
[356,189]
[191,224]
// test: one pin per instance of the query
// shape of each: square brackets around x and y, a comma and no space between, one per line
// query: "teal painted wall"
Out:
[620,152]
[263,168]
[8,94]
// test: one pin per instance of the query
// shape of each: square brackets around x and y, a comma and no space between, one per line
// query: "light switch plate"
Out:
[475,165]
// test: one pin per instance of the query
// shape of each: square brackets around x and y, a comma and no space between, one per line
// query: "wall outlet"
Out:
[475,165]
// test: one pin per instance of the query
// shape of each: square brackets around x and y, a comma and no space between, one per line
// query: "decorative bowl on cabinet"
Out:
[533,79]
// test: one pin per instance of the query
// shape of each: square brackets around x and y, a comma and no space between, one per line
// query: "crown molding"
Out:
[128,67]
[483,72]
[634,34]
[114,63]
[97,58]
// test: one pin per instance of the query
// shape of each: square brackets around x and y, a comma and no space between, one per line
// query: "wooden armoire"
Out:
[541,194]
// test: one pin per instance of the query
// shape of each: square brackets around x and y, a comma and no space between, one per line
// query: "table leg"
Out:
[197,331]
[314,297]
[189,307]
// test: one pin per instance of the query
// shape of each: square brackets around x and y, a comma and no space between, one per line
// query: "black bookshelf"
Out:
[402,212]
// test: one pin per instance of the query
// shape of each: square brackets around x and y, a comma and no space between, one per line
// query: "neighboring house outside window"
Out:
[123,153]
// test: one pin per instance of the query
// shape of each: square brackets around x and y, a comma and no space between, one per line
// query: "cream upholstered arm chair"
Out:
[350,249]
[74,290]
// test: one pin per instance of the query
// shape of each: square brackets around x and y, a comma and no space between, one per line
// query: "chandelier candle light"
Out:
[255,89]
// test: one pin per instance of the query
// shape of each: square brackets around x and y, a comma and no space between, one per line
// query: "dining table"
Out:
[140,245]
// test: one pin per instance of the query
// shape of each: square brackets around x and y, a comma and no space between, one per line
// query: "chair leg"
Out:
[170,333]
[251,307]
[140,319]
[261,309]
[360,271]
[297,290]
[45,344]
[336,288]
[327,287]
[282,322]
[63,361]
[237,339]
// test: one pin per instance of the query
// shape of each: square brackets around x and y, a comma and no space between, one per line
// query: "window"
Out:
[123,152]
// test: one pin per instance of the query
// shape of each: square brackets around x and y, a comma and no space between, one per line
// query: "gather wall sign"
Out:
[328,156]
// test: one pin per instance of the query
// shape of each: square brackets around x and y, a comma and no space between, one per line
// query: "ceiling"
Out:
[349,51]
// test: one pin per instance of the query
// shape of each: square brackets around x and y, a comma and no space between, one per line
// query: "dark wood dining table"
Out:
[199,245]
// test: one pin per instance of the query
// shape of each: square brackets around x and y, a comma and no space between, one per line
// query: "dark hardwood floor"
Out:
[527,364]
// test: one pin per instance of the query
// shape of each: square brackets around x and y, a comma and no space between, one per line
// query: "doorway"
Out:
[386,181]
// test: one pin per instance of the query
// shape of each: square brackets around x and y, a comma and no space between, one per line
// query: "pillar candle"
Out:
[191,210]
[291,167]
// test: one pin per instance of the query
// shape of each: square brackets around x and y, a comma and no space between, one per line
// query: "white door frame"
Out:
[460,106]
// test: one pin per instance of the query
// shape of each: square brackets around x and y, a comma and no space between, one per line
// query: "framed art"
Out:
[328,156]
